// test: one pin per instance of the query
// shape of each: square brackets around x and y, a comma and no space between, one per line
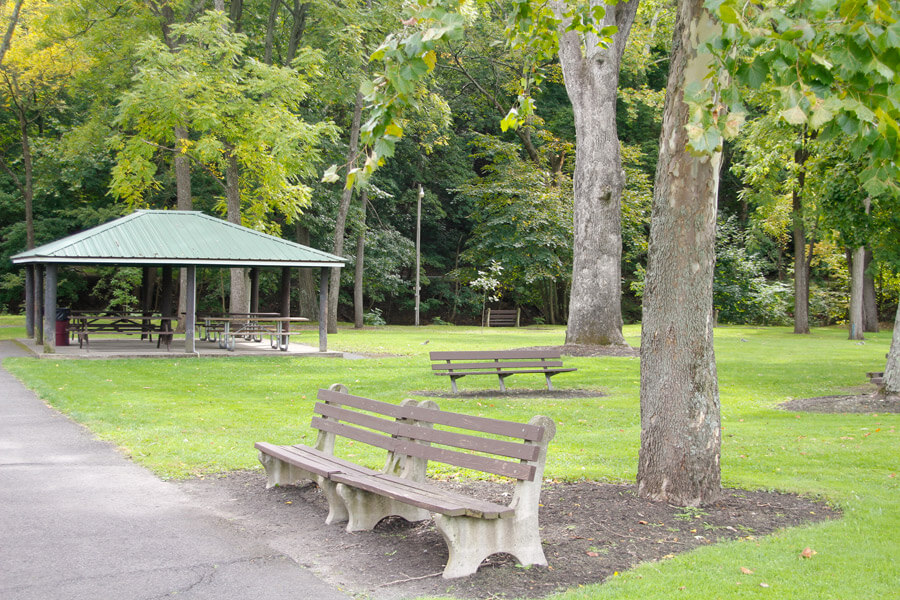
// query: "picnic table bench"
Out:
[473,529]
[501,363]
[252,326]
[503,318]
[82,324]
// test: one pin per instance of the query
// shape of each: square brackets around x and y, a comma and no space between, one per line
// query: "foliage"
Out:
[489,284]
[233,105]
[741,293]
[522,218]
[117,288]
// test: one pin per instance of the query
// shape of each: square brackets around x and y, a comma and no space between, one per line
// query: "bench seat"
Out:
[501,363]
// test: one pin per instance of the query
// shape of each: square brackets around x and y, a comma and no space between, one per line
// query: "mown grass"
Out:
[185,417]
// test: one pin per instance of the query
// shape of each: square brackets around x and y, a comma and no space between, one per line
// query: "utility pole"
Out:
[418,246]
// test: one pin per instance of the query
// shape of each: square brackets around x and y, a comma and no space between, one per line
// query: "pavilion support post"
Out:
[323,310]
[190,309]
[254,290]
[38,304]
[50,308]
[147,284]
[286,303]
[29,301]
[165,301]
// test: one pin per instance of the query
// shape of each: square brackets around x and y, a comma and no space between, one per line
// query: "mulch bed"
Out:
[858,403]
[590,531]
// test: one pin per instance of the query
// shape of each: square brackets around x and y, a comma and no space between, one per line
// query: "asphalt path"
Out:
[79,520]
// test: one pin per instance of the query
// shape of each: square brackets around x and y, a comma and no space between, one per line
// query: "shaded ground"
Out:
[589,350]
[511,393]
[589,530]
[858,403]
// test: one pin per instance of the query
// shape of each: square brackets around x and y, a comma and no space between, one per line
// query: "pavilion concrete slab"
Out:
[81,521]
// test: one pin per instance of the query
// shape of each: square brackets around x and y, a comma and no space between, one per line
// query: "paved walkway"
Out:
[78,520]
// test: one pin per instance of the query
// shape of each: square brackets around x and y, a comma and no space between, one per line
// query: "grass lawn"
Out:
[187,417]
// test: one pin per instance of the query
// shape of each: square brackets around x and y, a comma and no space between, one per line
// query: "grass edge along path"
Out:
[185,416]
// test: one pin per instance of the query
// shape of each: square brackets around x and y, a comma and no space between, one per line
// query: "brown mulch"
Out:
[590,350]
[590,531]
[857,403]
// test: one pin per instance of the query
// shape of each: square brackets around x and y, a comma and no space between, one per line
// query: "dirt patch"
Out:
[590,350]
[563,394]
[590,530]
[858,403]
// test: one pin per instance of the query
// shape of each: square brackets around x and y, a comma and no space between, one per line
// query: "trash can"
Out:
[62,326]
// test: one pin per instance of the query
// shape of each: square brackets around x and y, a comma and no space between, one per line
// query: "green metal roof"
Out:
[173,237]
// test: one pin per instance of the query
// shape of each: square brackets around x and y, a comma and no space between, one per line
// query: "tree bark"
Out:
[870,304]
[891,384]
[240,285]
[341,221]
[182,202]
[306,284]
[270,30]
[857,263]
[592,78]
[680,413]
[28,185]
[358,308]
[801,265]
[299,13]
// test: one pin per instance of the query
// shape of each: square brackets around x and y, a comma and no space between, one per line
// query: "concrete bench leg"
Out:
[279,472]
[367,509]
[549,385]
[470,540]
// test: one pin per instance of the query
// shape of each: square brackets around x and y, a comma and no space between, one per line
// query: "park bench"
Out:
[473,529]
[501,363]
[503,318]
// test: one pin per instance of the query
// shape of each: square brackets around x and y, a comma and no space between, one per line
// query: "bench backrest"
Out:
[495,359]
[503,318]
[411,430]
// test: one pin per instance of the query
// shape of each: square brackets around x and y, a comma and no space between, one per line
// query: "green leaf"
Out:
[330,175]
[794,115]
[728,14]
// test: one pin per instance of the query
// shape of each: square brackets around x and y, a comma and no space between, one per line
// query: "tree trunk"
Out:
[801,265]
[28,186]
[891,384]
[680,413]
[306,284]
[236,13]
[299,13]
[870,305]
[270,30]
[592,77]
[240,285]
[857,264]
[183,202]
[341,221]
[358,308]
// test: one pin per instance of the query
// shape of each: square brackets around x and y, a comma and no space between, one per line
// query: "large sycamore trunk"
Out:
[891,383]
[680,416]
[592,77]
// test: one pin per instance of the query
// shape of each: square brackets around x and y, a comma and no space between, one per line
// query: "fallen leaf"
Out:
[764,585]
[642,522]
[746,571]
[592,553]
[808,552]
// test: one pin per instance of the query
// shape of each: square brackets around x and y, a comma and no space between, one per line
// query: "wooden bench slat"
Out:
[474,507]
[497,365]
[491,354]
[355,433]
[356,418]
[517,372]
[445,505]
[312,460]
[390,410]
[522,471]
[469,442]
[511,429]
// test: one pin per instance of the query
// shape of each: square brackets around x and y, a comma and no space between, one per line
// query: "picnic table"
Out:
[84,323]
[252,326]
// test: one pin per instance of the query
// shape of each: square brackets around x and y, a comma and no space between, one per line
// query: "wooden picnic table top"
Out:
[244,319]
